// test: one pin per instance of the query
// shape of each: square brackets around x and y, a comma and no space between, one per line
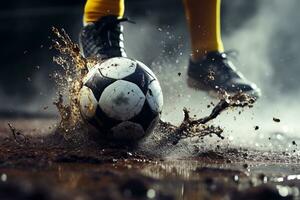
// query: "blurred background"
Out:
[264,32]
[26,32]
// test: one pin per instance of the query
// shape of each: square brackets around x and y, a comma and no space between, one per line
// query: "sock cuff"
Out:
[95,9]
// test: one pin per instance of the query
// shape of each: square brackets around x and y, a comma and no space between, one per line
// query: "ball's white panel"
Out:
[117,68]
[155,97]
[122,100]
[88,102]
[128,130]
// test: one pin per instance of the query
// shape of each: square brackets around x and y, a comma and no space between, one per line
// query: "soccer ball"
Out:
[121,98]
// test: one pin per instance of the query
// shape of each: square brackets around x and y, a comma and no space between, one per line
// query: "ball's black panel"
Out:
[152,78]
[97,83]
[141,78]
[152,125]
[94,123]
[103,121]
[145,117]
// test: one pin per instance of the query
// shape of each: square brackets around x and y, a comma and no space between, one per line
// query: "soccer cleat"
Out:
[216,74]
[103,39]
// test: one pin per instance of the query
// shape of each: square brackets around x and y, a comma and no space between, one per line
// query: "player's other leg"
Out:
[102,34]
[209,67]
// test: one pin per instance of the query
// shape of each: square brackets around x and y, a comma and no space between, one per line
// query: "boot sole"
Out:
[195,84]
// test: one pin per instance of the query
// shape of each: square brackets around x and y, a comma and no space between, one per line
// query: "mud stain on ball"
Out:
[121,99]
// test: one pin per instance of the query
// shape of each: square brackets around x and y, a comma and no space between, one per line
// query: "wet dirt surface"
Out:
[47,159]
[48,167]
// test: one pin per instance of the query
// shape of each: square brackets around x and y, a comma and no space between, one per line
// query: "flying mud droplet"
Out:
[211,75]
[276,119]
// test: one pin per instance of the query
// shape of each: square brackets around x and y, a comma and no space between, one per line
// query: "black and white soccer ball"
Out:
[121,98]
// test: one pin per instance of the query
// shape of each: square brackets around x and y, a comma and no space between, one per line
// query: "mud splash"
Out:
[198,127]
[18,137]
[69,83]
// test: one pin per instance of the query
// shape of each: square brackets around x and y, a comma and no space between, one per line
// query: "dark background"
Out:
[26,37]
[26,29]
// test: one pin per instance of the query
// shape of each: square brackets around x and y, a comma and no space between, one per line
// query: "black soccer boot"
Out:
[215,73]
[103,39]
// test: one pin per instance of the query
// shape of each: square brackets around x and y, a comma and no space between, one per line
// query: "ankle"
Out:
[201,54]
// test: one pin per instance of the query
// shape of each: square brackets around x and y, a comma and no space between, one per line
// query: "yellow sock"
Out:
[203,17]
[95,9]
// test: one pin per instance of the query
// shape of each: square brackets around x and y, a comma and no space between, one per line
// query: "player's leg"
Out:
[209,67]
[101,35]
[203,17]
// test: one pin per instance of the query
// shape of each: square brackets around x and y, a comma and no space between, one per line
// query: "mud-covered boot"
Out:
[215,73]
[103,39]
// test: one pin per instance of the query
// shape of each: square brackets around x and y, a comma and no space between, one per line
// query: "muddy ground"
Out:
[48,167]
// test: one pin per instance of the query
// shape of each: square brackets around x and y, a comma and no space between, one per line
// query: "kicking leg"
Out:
[102,34]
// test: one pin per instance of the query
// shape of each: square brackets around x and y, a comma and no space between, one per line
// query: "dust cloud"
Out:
[267,42]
